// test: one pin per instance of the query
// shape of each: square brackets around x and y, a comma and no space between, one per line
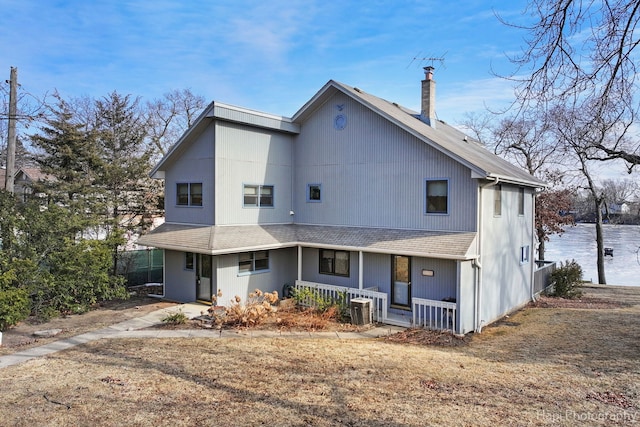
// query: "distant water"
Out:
[579,243]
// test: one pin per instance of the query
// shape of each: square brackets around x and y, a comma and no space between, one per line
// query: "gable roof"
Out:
[34,174]
[443,137]
[216,240]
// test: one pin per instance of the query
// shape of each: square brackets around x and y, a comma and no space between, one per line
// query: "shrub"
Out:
[178,318]
[312,297]
[566,279]
[258,307]
[14,307]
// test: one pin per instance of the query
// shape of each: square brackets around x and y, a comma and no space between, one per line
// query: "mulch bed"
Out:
[428,337]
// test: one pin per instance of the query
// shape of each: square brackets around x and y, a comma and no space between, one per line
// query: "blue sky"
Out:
[266,55]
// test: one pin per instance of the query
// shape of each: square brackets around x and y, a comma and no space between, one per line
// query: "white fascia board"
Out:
[241,115]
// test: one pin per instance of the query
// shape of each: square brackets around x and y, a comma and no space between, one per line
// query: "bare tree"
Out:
[170,116]
[480,125]
[581,134]
[583,54]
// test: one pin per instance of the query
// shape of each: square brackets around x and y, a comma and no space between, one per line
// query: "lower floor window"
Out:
[253,261]
[334,262]
[524,254]
[188,260]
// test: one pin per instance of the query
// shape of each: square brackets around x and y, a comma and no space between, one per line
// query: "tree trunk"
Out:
[541,235]
[600,243]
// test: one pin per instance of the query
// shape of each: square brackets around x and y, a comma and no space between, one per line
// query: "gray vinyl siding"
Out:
[311,269]
[282,270]
[179,284]
[505,281]
[373,174]
[194,165]
[253,156]
[377,271]
[441,285]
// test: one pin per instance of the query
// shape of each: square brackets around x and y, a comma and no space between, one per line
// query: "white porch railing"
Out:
[379,304]
[434,314]
[431,314]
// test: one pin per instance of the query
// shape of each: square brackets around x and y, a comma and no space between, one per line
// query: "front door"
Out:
[401,282]
[203,277]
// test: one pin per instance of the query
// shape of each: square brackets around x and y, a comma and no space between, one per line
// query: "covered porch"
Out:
[425,313]
[414,277]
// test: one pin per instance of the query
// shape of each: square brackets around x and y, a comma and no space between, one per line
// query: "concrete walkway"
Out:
[136,328]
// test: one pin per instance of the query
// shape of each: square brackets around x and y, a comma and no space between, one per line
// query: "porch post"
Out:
[299,262]
[360,271]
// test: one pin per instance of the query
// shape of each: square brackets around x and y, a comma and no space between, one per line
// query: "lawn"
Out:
[545,365]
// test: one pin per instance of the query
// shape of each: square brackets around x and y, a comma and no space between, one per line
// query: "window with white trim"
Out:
[258,195]
[249,262]
[524,254]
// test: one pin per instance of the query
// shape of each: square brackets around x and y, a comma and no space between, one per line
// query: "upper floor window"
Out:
[437,200]
[253,261]
[334,262]
[497,200]
[521,201]
[189,194]
[258,195]
[314,192]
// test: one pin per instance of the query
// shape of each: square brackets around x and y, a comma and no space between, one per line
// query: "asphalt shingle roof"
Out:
[241,238]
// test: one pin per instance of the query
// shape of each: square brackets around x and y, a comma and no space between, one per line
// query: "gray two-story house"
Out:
[354,194]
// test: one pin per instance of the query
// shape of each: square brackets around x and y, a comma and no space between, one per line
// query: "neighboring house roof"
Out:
[232,239]
[34,174]
[442,137]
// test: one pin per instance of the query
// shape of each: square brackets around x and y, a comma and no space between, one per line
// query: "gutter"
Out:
[476,262]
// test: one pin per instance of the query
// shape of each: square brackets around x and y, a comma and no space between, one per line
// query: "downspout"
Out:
[533,242]
[476,262]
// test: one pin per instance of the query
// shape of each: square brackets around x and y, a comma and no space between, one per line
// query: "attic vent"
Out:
[395,103]
[357,89]
[465,139]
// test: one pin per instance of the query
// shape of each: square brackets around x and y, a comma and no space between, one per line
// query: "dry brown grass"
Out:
[541,366]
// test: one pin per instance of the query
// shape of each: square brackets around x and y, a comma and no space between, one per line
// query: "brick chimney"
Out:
[428,108]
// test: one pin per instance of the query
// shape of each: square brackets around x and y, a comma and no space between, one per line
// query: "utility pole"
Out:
[11,137]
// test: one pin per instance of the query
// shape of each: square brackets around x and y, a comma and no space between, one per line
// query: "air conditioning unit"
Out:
[361,313]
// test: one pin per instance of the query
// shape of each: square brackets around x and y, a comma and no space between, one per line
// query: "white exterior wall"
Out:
[194,165]
[373,174]
[506,282]
[467,291]
[247,155]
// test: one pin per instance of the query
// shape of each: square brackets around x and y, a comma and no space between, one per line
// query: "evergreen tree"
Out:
[67,152]
[124,165]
